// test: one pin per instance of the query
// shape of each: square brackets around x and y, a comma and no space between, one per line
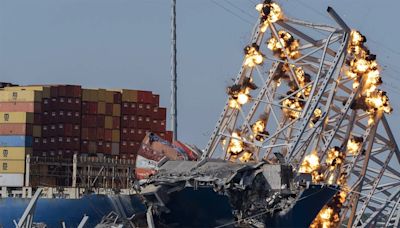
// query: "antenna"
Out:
[174,112]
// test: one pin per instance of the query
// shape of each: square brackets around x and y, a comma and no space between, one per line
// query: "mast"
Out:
[174,113]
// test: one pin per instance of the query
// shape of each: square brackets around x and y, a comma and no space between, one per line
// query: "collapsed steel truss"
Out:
[372,173]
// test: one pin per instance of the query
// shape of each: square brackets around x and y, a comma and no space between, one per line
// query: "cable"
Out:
[231,12]
[238,8]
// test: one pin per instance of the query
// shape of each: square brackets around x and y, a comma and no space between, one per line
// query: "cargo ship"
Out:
[79,144]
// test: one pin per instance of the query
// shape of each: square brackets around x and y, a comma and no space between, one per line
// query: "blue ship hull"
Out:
[53,211]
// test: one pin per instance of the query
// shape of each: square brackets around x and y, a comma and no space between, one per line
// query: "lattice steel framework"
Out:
[293,132]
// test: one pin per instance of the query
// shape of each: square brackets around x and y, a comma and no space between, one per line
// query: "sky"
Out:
[126,44]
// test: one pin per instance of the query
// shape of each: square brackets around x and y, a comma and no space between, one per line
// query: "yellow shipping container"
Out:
[129,95]
[16,117]
[101,94]
[90,94]
[101,108]
[116,110]
[12,166]
[14,153]
[109,97]
[37,131]
[115,135]
[20,95]
[108,122]
[45,89]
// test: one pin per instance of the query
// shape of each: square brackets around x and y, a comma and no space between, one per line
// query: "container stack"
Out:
[61,122]
[101,122]
[20,109]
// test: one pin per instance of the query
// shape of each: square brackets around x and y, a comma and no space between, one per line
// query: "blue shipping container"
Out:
[16,140]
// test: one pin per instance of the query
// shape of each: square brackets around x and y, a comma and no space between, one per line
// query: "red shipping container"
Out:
[76,130]
[89,107]
[143,122]
[145,109]
[77,91]
[116,122]
[156,99]
[53,91]
[117,98]
[68,129]
[16,129]
[100,133]
[85,146]
[85,133]
[37,144]
[21,107]
[159,113]
[108,135]
[128,121]
[168,136]
[158,126]
[107,147]
[37,118]
[100,121]
[62,91]
[129,108]
[123,147]
[145,97]
[92,134]
[89,120]
[92,147]
[139,135]
[109,109]
[128,136]
[100,147]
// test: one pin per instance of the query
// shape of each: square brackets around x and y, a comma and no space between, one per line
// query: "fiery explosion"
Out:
[259,132]
[253,56]
[378,100]
[270,13]
[311,165]
[334,158]
[235,146]
[353,145]
[284,45]
[240,93]
[292,108]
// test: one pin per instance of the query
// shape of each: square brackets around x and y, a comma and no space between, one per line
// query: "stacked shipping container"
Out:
[101,121]
[60,120]
[20,109]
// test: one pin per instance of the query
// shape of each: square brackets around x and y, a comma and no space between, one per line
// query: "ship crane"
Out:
[309,95]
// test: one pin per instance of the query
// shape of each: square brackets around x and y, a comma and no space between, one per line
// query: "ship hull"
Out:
[53,211]
[205,208]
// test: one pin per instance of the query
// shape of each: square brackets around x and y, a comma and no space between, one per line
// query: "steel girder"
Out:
[372,177]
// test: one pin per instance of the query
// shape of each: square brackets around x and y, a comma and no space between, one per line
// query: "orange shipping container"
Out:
[101,108]
[129,95]
[108,122]
[115,135]
[16,129]
[20,95]
[20,107]
[109,97]
[89,95]
[116,110]
[101,94]
[16,117]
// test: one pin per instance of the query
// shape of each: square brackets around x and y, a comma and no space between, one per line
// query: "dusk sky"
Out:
[126,44]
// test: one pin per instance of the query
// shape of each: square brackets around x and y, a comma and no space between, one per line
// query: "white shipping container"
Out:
[11,180]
